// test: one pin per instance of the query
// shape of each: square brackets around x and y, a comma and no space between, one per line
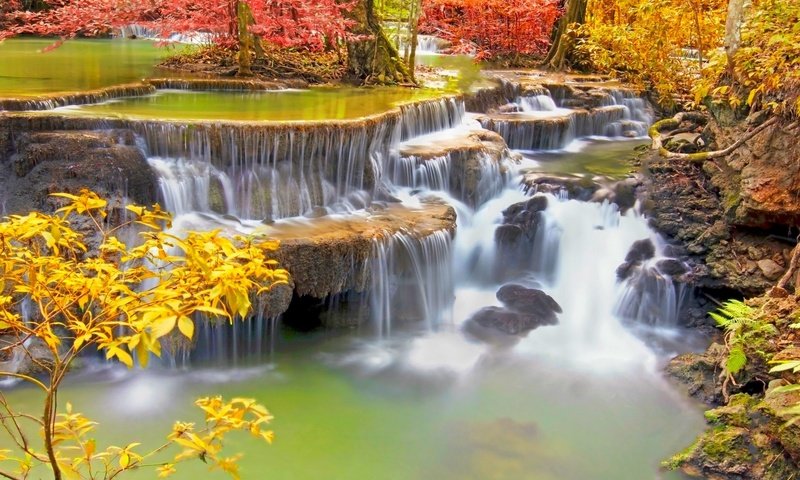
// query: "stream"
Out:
[410,393]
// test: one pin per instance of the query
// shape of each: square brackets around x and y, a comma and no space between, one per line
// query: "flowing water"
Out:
[410,395]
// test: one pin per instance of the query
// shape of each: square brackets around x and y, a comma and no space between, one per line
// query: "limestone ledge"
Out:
[330,255]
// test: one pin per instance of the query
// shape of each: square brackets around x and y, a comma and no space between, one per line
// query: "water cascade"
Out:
[544,121]
[411,280]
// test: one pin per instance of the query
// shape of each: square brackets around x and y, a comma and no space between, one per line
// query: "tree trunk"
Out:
[416,8]
[733,30]
[560,50]
[373,58]
[245,40]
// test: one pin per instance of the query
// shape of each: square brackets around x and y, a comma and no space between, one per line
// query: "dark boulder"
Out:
[510,322]
[525,309]
[641,250]
[671,267]
[529,301]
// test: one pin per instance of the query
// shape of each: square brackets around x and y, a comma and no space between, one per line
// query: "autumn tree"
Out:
[652,44]
[296,24]
[497,30]
[562,37]
[372,56]
[125,301]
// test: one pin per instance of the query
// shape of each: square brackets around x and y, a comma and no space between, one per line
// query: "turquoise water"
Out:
[76,65]
[347,407]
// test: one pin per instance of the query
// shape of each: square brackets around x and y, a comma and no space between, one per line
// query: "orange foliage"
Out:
[492,29]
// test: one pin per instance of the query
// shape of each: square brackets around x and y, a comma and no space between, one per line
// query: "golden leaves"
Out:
[125,301]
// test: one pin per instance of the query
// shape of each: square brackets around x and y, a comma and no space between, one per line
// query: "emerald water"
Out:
[281,105]
[581,400]
[348,407]
[589,157]
[76,65]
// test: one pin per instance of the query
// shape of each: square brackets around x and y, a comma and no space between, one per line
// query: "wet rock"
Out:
[107,162]
[276,300]
[747,439]
[671,267]
[770,269]
[510,322]
[582,188]
[625,270]
[508,235]
[641,250]
[535,204]
[525,309]
[509,108]
[516,237]
[317,212]
[475,162]
[529,300]
[23,356]
[700,373]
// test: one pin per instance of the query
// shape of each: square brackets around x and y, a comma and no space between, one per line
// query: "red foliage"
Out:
[286,23]
[492,28]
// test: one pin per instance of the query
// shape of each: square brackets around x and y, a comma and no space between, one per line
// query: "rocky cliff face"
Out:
[735,216]
[34,165]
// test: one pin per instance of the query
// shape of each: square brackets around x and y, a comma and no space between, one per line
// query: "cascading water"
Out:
[221,170]
[547,122]
[411,280]
[525,408]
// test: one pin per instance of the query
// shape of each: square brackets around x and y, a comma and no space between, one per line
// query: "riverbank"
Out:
[735,218]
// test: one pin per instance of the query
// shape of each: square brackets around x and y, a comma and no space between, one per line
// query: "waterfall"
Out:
[269,172]
[537,103]
[411,280]
[547,122]
[430,116]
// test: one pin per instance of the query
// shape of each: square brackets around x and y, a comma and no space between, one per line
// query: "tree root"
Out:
[675,122]
[780,290]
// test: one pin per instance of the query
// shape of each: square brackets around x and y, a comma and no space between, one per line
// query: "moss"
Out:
[726,445]
[735,413]
[680,459]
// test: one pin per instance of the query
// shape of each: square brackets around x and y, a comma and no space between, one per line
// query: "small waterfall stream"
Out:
[414,393]
[270,174]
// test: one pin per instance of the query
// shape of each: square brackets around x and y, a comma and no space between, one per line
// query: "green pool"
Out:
[344,410]
[76,65]
[321,103]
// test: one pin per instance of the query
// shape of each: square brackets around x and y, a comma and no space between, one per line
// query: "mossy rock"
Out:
[736,413]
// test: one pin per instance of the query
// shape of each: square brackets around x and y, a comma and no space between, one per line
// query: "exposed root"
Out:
[700,157]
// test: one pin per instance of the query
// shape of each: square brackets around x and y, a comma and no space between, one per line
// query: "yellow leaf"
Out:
[124,460]
[163,326]
[166,470]
[186,326]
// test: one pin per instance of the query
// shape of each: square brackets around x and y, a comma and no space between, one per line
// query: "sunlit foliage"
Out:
[658,44]
[492,29]
[285,23]
[65,289]
[766,69]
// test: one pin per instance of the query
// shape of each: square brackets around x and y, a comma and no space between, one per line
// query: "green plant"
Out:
[744,330]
